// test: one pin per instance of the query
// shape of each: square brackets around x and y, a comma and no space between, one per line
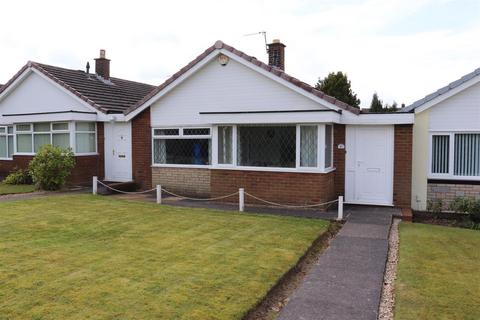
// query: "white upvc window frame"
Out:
[234,166]
[6,134]
[451,156]
[71,131]
[185,137]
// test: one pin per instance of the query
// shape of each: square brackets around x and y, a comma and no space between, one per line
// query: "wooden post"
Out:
[241,199]
[94,184]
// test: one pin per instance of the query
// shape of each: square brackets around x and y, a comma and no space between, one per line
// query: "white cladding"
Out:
[460,112]
[233,87]
[37,95]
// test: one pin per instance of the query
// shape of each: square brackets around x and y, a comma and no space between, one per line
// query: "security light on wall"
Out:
[223,59]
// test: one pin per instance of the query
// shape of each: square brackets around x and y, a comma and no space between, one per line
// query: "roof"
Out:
[113,96]
[277,72]
[441,91]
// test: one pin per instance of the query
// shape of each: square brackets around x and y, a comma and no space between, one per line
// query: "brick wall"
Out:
[282,187]
[142,150]
[339,159]
[101,150]
[402,177]
[185,181]
[447,192]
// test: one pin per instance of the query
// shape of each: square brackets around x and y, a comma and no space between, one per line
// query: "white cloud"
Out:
[150,40]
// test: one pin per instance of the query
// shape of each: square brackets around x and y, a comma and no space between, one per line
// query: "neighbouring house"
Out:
[44,104]
[226,121]
[446,143]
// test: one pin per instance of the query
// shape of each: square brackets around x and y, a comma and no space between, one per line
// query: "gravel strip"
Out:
[387,302]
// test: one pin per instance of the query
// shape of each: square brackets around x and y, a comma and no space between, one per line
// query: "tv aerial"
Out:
[264,33]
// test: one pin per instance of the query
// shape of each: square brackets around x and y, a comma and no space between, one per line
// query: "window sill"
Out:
[6,159]
[453,178]
[226,167]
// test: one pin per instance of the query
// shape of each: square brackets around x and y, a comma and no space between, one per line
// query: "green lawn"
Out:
[10,189]
[438,273]
[79,257]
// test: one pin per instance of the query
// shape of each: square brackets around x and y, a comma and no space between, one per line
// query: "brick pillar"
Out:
[142,150]
[101,150]
[402,176]
[339,158]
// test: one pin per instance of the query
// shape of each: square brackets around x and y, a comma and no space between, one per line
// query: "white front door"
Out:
[118,151]
[369,165]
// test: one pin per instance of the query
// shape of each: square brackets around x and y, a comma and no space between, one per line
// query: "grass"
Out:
[11,189]
[79,257]
[438,273]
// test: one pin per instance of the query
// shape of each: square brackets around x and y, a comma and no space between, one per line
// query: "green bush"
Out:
[462,205]
[19,176]
[435,206]
[51,167]
[474,213]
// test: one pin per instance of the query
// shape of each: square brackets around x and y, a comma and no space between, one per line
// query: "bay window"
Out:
[182,146]
[455,155]
[80,136]
[6,142]
[287,147]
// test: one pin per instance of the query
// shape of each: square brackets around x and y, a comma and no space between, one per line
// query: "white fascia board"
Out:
[378,119]
[15,83]
[448,94]
[265,118]
[280,80]
[172,85]
[51,117]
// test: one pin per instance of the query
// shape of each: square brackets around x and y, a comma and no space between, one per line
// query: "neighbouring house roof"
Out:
[108,96]
[277,72]
[441,91]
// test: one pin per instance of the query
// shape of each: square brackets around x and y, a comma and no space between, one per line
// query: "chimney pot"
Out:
[102,66]
[276,54]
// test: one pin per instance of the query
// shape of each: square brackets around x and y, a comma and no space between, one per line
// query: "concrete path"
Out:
[346,282]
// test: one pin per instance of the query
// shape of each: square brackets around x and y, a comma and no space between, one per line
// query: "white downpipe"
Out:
[159,194]
[241,199]
[340,208]
[94,185]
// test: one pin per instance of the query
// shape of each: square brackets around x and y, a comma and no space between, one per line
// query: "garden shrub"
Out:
[435,206]
[51,167]
[19,176]
[462,205]
[474,213]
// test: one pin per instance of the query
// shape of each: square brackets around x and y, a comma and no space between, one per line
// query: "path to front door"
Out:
[346,282]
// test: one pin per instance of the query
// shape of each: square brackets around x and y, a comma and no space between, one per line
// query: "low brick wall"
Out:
[447,192]
[185,181]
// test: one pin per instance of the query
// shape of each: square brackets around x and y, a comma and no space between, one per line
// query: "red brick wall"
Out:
[339,159]
[101,149]
[142,150]
[282,187]
[402,177]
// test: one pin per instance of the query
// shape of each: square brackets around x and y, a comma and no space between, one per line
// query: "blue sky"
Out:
[401,49]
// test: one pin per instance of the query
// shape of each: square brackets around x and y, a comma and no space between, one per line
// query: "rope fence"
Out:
[241,198]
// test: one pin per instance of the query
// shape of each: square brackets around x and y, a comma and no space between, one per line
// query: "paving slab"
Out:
[346,282]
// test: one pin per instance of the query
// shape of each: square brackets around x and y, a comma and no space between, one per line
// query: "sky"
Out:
[401,49]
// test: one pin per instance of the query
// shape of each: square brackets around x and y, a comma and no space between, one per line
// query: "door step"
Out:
[128,186]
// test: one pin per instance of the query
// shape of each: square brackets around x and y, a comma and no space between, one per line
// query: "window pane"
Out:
[41,127]
[467,155]
[3,146]
[59,126]
[328,145]
[85,143]
[225,145]
[23,127]
[24,143]
[166,132]
[10,130]
[40,140]
[440,153]
[61,140]
[10,146]
[85,126]
[308,146]
[196,132]
[3,130]
[182,151]
[272,146]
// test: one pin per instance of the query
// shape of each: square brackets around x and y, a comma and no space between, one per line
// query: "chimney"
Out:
[102,66]
[276,54]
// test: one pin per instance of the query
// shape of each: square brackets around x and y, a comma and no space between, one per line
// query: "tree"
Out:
[376,105]
[338,86]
